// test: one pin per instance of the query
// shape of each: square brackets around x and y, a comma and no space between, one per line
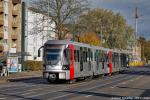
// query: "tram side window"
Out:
[116,59]
[78,52]
[85,55]
[75,56]
[97,56]
[88,55]
[91,53]
[113,57]
[94,56]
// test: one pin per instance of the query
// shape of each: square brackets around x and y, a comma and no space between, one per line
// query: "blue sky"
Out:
[126,8]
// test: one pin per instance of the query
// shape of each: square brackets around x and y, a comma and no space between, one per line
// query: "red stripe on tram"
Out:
[71,46]
[110,62]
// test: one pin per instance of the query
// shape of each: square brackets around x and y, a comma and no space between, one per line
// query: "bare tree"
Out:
[61,12]
[39,23]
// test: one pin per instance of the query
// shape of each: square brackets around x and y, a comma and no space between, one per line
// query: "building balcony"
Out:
[16,22]
[1,9]
[1,54]
[16,10]
[16,1]
[1,47]
[1,32]
[14,37]
[1,6]
[1,19]
[1,35]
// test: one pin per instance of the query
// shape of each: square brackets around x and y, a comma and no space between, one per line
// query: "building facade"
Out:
[10,28]
[137,52]
[39,30]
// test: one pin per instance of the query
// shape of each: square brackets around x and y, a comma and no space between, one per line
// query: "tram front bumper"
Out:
[62,75]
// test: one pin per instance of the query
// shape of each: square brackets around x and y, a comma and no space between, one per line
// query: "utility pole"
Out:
[23,34]
[101,36]
[136,22]
[136,30]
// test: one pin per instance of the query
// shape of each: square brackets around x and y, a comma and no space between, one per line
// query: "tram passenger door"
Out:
[105,63]
[89,63]
[81,62]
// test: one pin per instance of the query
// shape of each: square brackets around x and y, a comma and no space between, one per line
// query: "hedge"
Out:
[31,65]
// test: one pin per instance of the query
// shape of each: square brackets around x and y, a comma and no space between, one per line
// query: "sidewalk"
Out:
[21,75]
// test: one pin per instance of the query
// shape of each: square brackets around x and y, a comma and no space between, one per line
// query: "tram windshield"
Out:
[53,54]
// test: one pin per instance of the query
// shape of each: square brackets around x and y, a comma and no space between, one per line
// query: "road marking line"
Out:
[112,87]
[28,93]
[131,80]
[88,96]
[123,83]
[137,78]
[2,98]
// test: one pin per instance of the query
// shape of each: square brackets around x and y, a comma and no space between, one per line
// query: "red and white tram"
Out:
[68,60]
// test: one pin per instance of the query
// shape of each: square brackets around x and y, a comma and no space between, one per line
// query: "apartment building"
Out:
[10,28]
[137,51]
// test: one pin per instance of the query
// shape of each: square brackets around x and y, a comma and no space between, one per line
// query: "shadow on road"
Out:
[94,94]
[36,80]
[138,71]
[17,96]
[146,92]
[124,87]
[32,80]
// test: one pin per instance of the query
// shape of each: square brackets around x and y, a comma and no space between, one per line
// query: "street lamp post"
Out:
[101,35]
[23,34]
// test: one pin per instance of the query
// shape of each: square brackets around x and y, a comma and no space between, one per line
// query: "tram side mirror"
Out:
[39,53]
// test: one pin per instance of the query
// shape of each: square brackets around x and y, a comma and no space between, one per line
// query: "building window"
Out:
[5,41]
[1,40]
[5,28]
[6,16]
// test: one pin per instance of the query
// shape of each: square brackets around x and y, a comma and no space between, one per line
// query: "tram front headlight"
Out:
[65,67]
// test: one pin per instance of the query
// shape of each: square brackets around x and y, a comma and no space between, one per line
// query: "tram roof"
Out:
[68,42]
[84,45]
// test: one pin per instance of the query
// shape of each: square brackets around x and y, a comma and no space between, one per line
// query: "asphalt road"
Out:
[134,84]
